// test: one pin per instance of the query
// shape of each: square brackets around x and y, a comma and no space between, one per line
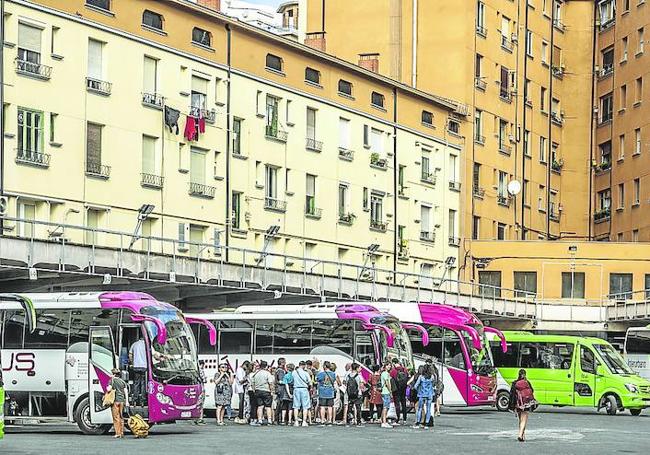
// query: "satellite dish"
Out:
[514,187]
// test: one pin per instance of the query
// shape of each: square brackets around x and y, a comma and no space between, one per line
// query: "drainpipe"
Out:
[523,124]
[414,39]
[2,112]
[322,17]
[228,219]
[395,174]
[591,132]
[549,164]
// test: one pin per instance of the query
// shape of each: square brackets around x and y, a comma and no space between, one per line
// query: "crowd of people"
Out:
[312,393]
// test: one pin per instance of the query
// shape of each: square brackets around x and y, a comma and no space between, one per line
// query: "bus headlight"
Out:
[163,399]
[632,388]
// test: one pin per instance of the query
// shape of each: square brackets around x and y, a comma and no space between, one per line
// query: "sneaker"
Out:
[422,427]
[296,424]
[305,424]
[254,423]
[386,425]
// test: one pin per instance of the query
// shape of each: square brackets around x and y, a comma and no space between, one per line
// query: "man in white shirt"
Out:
[240,386]
[139,364]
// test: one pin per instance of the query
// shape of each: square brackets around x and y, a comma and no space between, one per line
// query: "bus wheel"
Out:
[636,412]
[503,399]
[82,417]
[611,406]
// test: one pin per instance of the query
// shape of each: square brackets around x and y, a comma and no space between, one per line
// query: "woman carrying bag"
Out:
[222,391]
[115,397]
[522,402]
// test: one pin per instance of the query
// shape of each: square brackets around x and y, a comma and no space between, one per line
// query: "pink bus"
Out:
[61,369]
[458,345]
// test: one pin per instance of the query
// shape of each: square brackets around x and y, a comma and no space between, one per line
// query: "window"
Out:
[401,181]
[620,286]
[150,77]
[541,204]
[425,167]
[376,141]
[607,12]
[621,146]
[26,211]
[545,52]
[273,62]
[344,133]
[503,135]
[95,59]
[555,108]
[504,84]
[153,20]
[366,202]
[604,199]
[427,118]
[453,126]
[478,126]
[310,201]
[626,5]
[476,227]
[345,87]
[527,97]
[480,17]
[606,108]
[271,187]
[236,210]
[272,126]
[30,132]
[311,124]
[93,147]
[453,170]
[202,37]
[476,178]
[637,141]
[199,95]
[573,285]
[452,226]
[637,192]
[529,43]
[605,155]
[501,231]
[623,97]
[53,122]
[525,284]
[478,66]
[366,136]
[502,185]
[343,200]
[587,362]
[621,195]
[376,208]
[639,35]
[607,57]
[624,42]
[236,136]
[490,283]
[542,99]
[29,43]
[93,218]
[149,161]
[527,144]
[453,351]
[312,75]
[377,99]
[638,93]
[102,4]
[425,222]
[635,236]
[197,165]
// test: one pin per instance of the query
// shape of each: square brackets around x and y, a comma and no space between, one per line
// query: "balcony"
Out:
[558,71]
[506,44]
[479,139]
[605,118]
[505,95]
[503,200]
[505,149]
[311,211]
[454,186]
[97,170]
[313,145]
[377,225]
[607,24]
[210,116]
[557,118]
[32,158]
[558,24]
[478,192]
[99,87]
[606,70]
[480,83]
[403,250]
[277,205]
[31,69]
[553,213]
[454,241]
[347,218]
[481,30]
[378,163]
[345,154]
[427,236]
[201,190]
[602,167]
[151,180]
[602,215]
[428,177]
[153,100]
[556,166]
[275,133]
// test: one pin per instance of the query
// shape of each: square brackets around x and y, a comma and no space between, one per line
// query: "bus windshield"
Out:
[613,359]
[175,361]
[481,360]
[637,341]
[401,343]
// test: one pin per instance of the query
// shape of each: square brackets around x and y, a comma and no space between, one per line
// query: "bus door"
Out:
[101,360]
[364,349]
[127,335]
[585,376]
[454,375]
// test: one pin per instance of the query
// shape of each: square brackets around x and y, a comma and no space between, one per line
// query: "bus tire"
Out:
[636,412]
[82,417]
[611,405]
[502,401]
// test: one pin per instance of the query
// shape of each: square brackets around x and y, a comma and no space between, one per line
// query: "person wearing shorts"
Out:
[301,398]
[326,380]
[262,383]
[385,395]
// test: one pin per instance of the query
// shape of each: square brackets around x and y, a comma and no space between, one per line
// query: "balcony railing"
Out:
[313,212]
[345,154]
[210,116]
[479,83]
[454,241]
[553,214]
[153,100]
[603,167]
[479,139]
[556,165]
[347,218]
[152,180]
[32,158]
[481,30]
[277,205]
[378,225]
[503,200]
[607,24]
[557,23]
[403,252]
[97,86]
[478,192]
[557,118]
[427,236]
[558,71]
[377,162]
[454,186]
[505,95]
[313,145]
[606,70]
[201,190]
[428,177]
[99,170]
[505,149]
[507,44]
[33,69]
[276,133]
[602,215]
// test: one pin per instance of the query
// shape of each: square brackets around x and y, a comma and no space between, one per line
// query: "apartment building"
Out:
[525,69]
[171,119]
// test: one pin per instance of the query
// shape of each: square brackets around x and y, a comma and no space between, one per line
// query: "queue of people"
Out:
[312,393]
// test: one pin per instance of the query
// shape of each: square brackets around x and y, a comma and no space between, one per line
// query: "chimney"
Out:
[316,40]
[212,4]
[369,62]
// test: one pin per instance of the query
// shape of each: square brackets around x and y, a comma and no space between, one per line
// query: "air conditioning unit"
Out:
[4,205]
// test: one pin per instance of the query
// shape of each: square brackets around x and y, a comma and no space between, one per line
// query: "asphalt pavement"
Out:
[551,431]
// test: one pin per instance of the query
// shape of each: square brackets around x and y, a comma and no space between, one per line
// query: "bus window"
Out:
[434,348]
[530,355]
[509,359]
[202,337]
[81,320]
[453,351]
[637,342]
[553,356]
[13,329]
[587,360]
[233,341]
[333,333]
[364,349]
[52,329]
[565,353]
[264,337]
[292,337]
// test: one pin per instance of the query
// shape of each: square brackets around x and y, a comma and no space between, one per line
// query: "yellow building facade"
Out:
[293,152]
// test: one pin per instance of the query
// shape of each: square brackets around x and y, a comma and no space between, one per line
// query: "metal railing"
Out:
[481,30]
[272,203]
[32,158]
[478,192]
[428,177]
[454,186]
[480,83]
[602,215]
[347,218]
[377,162]
[479,139]
[428,236]
[557,118]
[313,212]
[378,225]
[96,169]
[313,145]
[506,43]
[98,86]
[505,149]
[276,133]
[606,70]
[345,154]
[210,115]
[153,99]
[454,241]
[152,180]
[558,71]
[201,190]
[503,200]
[33,69]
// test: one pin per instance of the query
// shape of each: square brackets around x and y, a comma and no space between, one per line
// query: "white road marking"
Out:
[545,434]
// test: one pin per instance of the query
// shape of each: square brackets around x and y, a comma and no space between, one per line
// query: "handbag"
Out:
[109,398]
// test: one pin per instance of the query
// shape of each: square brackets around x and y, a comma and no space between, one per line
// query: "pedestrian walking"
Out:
[326,380]
[375,399]
[354,393]
[286,402]
[252,401]
[385,395]
[400,376]
[301,398]
[522,402]
[117,385]
[278,376]
[425,389]
[239,387]
[222,391]
[262,383]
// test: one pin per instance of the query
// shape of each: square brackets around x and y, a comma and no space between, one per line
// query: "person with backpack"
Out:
[119,388]
[354,383]
[326,380]
[425,388]
[375,400]
[400,378]
[522,402]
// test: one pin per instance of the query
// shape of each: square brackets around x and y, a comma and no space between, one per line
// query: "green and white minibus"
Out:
[569,371]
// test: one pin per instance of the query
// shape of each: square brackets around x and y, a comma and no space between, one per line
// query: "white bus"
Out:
[637,350]
[338,332]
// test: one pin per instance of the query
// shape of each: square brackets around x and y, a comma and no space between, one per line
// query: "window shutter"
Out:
[29,38]
[94,143]
[149,83]
[199,85]
[424,218]
[311,185]
[344,133]
[366,136]
[148,155]
[94,59]
[183,234]
[197,166]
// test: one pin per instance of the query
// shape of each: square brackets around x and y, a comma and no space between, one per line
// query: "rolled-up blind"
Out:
[149,83]
[29,37]
[94,143]
[148,155]
[95,59]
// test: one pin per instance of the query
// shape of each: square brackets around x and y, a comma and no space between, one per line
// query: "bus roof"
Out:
[528,336]
[65,300]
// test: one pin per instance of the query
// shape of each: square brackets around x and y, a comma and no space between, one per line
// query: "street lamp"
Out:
[143,213]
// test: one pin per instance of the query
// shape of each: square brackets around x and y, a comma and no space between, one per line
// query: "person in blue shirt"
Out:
[301,400]
[425,388]
[326,380]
